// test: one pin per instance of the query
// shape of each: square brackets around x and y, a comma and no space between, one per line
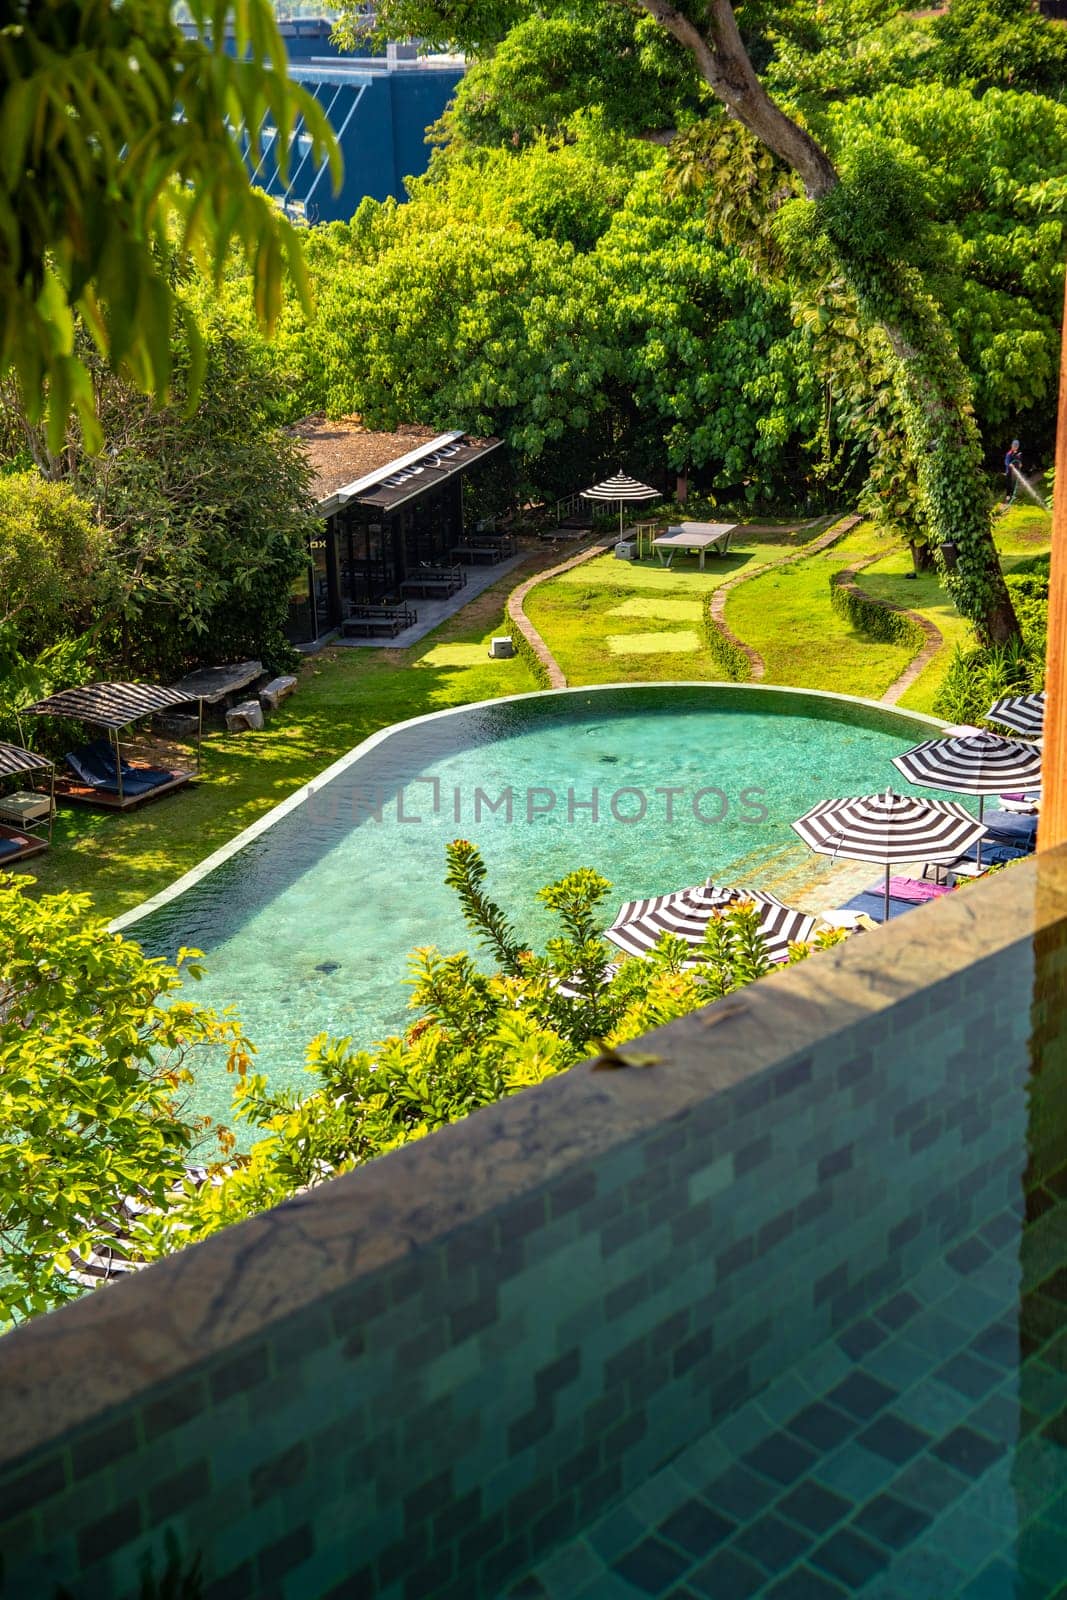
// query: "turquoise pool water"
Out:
[308,927]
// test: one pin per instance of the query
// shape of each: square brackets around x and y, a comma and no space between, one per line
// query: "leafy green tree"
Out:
[51,553]
[208,515]
[117,133]
[1000,43]
[860,219]
[96,1048]
[485,324]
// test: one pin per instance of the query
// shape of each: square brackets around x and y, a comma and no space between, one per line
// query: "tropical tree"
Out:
[95,1052]
[51,555]
[208,514]
[119,132]
[858,219]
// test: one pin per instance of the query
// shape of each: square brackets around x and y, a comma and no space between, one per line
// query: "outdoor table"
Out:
[429,584]
[472,552]
[24,807]
[694,536]
[213,685]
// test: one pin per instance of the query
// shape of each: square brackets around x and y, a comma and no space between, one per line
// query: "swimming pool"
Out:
[307,923]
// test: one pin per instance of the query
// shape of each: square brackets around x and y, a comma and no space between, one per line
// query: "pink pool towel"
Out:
[914,889]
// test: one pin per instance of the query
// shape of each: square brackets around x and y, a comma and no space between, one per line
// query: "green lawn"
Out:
[620,622]
[786,615]
[1020,533]
[344,695]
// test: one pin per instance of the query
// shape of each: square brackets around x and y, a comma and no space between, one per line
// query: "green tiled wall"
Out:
[438,1425]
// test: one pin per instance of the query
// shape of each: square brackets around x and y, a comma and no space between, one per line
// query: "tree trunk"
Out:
[947,452]
[942,435]
[922,557]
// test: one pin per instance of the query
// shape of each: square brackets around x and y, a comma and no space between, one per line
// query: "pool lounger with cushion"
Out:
[904,895]
[96,774]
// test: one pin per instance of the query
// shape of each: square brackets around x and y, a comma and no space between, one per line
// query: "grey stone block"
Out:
[248,715]
[277,690]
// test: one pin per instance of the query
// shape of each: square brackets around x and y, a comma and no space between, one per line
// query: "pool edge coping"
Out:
[209,864]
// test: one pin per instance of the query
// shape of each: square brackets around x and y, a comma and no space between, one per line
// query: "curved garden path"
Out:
[717,602]
[557,678]
[934,638]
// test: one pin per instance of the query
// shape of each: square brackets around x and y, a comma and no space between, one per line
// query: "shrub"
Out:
[873,617]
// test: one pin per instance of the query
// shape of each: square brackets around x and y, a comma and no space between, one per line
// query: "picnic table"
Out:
[367,619]
[434,580]
[698,537]
[476,552]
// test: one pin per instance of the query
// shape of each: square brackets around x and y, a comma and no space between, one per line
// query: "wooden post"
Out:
[1052,829]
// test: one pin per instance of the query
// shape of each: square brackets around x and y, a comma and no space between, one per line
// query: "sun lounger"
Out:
[1012,827]
[1025,804]
[96,766]
[16,846]
[95,779]
[904,895]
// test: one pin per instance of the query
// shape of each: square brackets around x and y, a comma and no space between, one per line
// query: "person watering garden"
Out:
[1013,463]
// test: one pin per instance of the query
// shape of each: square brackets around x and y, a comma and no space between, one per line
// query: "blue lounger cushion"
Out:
[995,852]
[873,904]
[1012,827]
[10,847]
[95,765]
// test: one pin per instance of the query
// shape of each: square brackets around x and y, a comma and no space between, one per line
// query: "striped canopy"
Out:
[889,828]
[974,763]
[686,913]
[1022,713]
[109,705]
[14,759]
[620,487]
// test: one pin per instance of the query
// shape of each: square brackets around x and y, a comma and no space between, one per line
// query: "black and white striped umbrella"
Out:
[972,763]
[889,828]
[622,489]
[686,913]
[1022,713]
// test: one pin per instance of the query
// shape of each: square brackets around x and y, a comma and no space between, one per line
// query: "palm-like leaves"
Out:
[119,135]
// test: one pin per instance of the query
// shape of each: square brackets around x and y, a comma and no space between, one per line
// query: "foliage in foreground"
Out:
[477,1039]
[115,129]
[96,1059]
[95,1048]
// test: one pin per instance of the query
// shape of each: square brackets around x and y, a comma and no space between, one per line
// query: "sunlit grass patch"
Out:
[652,644]
[663,609]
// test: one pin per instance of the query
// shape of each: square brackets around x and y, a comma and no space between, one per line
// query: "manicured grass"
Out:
[598,619]
[1020,533]
[786,615]
[1024,530]
[886,580]
[344,695]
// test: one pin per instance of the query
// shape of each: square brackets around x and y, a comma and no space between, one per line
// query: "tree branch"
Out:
[724,65]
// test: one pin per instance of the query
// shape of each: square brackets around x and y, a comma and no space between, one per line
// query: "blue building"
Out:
[378,105]
[380,109]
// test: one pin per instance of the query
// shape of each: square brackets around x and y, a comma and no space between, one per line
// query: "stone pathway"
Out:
[934,637]
[717,602]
